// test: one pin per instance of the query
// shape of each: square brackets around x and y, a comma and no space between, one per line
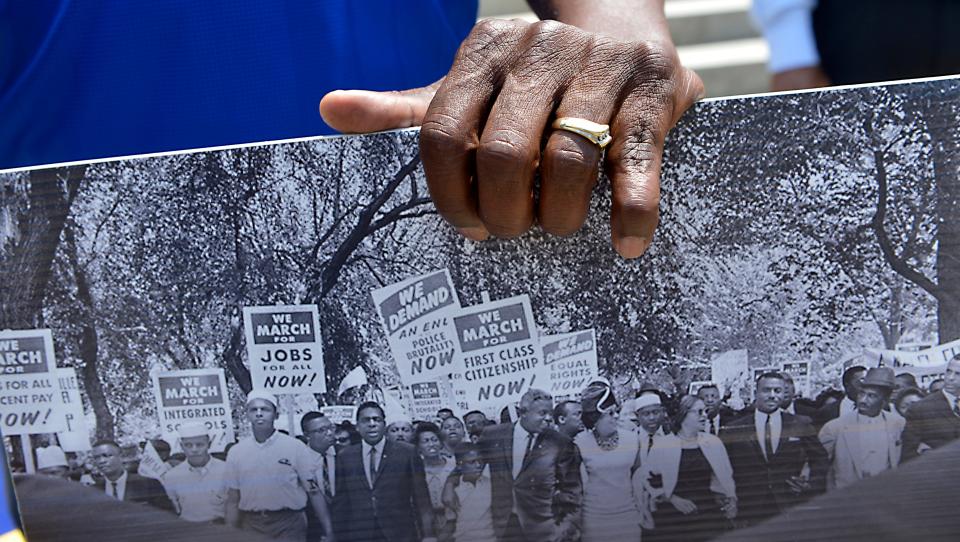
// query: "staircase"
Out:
[714,37]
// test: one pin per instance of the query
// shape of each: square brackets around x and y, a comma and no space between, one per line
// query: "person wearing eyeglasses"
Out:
[611,454]
[695,493]
[320,433]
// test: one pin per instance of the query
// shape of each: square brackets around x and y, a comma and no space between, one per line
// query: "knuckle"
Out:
[547,30]
[488,29]
[439,134]
[638,206]
[654,60]
[569,160]
[508,150]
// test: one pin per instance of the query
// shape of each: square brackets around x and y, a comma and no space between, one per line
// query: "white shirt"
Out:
[787,26]
[120,483]
[366,457]
[475,518]
[776,424]
[951,398]
[520,440]
[645,440]
[199,493]
[331,455]
[874,445]
[847,406]
[273,475]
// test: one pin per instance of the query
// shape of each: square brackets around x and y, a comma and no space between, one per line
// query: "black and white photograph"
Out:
[286,341]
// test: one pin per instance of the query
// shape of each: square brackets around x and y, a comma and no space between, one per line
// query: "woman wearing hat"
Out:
[609,457]
[695,493]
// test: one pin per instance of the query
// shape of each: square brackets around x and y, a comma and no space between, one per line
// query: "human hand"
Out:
[485,123]
[682,505]
[729,508]
[798,484]
[799,79]
[449,499]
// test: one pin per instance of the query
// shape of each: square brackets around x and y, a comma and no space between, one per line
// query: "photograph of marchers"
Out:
[287,339]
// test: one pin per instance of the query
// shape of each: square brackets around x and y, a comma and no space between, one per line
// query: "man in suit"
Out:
[319,432]
[718,414]
[768,449]
[851,387]
[864,443]
[122,485]
[934,420]
[535,475]
[381,491]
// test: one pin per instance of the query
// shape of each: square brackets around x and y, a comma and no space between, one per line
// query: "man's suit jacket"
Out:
[393,508]
[548,490]
[762,489]
[840,437]
[141,489]
[930,421]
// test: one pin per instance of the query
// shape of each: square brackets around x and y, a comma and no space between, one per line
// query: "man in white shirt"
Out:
[650,416]
[474,518]
[865,442]
[320,433]
[198,486]
[270,478]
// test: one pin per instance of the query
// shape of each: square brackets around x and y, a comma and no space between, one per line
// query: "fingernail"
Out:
[478,233]
[631,247]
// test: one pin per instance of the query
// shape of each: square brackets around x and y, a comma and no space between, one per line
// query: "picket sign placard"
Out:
[340,413]
[76,436]
[934,356]
[800,371]
[194,395]
[571,359]
[31,401]
[285,349]
[417,318]
[501,353]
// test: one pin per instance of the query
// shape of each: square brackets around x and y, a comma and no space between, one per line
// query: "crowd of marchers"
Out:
[655,466]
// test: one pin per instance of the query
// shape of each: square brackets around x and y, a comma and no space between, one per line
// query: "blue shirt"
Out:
[84,79]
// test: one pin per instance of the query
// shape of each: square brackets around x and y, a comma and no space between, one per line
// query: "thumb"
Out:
[361,111]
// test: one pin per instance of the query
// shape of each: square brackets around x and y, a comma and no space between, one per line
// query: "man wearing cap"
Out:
[198,486]
[865,442]
[51,461]
[650,414]
[935,420]
[271,478]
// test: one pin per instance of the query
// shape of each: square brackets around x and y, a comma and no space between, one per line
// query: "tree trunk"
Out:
[26,267]
[89,343]
[946,165]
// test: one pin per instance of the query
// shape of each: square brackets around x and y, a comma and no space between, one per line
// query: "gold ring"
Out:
[599,134]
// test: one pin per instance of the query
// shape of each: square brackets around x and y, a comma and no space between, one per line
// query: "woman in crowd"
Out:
[437,468]
[453,433]
[905,398]
[610,455]
[695,494]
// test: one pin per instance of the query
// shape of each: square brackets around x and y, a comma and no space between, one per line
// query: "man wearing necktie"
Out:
[320,433]
[534,474]
[198,486]
[768,449]
[650,416]
[934,420]
[380,490]
[122,485]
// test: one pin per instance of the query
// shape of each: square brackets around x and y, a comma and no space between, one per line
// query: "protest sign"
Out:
[151,465]
[285,349]
[501,353]
[730,371]
[695,386]
[800,371]
[194,395]
[76,436]
[929,357]
[571,359]
[340,413]
[426,398]
[30,397]
[416,315]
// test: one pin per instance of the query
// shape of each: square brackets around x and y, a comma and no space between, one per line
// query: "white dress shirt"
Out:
[776,424]
[787,26]
[366,457]
[120,484]
[520,440]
